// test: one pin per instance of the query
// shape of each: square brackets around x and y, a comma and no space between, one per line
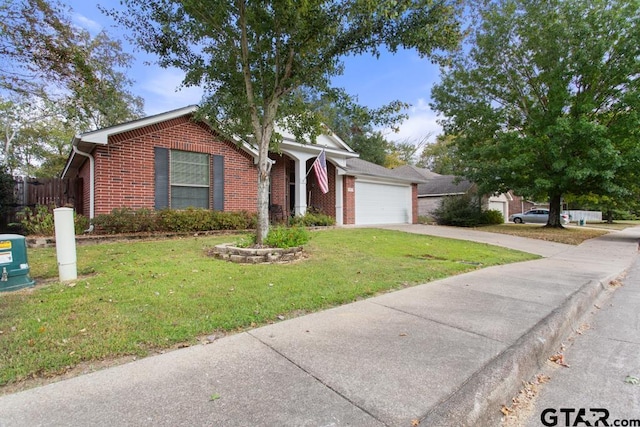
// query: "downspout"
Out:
[91,182]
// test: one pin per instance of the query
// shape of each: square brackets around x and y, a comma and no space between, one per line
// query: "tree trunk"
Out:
[264,175]
[555,209]
[609,216]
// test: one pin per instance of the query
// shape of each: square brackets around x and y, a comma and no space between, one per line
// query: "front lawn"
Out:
[568,235]
[137,298]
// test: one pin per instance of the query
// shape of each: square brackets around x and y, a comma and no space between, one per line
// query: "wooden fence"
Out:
[52,192]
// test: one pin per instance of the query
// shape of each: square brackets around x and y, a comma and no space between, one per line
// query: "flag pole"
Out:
[311,168]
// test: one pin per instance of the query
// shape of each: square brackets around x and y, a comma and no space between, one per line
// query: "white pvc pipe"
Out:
[65,244]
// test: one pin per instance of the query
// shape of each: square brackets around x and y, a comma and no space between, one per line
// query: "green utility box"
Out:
[14,268]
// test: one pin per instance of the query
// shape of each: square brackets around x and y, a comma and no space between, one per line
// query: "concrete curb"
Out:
[479,399]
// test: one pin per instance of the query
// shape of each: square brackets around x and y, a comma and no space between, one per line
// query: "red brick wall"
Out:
[325,203]
[124,172]
[414,203]
[86,189]
[349,202]
[280,182]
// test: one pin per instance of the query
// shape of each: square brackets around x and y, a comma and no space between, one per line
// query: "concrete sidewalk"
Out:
[447,353]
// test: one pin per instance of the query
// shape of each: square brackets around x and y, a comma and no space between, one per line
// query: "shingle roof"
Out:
[444,185]
[357,166]
[415,172]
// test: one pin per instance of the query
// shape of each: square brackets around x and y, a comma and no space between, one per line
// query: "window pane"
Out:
[185,197]
[189,180]
[189,168]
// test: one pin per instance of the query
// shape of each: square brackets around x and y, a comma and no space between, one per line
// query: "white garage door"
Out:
[378,203]
[498,206]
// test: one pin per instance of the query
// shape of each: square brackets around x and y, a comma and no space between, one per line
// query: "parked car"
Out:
[536,216]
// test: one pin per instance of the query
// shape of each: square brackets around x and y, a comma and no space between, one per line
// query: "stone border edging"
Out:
[231,253]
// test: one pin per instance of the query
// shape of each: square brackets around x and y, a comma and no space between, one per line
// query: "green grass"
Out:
[135,298]
[568,235]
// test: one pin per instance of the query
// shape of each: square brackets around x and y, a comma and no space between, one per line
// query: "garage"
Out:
[382,203]
[500,203]
[498,206]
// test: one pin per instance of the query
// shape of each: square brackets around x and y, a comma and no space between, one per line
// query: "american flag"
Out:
[320,168]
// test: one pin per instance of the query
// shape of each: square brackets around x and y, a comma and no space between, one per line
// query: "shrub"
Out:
[81,223]
[187,220]
[491,217]
[246,241]
[126,220]
[6,191]
[313,219]
[460,211]
[40,221]
[286,237]
[234,220]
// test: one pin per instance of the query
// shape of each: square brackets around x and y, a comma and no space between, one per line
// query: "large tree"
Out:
[251,57]
[357,125]
[440,156]
[55,80]
[545,99]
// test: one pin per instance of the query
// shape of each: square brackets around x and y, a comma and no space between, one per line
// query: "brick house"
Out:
[172,161]
[435,188]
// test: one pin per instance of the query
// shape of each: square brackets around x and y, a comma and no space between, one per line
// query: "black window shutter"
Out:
[218,183]
[161,177]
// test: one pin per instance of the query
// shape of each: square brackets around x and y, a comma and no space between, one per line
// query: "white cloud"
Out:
[86,23]
[161,90]
[422,122]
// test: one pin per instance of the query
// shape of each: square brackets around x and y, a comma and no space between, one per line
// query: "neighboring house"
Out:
[518,204]
[436,188]
[171,161]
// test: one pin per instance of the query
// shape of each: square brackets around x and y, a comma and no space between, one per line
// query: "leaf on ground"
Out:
[214,396]
[542,378]
[630,379]
[415,423]
[505,411]
[559,359]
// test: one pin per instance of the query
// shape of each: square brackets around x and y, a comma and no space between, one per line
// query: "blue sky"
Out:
[375,82]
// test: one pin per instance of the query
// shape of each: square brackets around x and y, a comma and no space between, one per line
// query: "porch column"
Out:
[339,198]
[301,186]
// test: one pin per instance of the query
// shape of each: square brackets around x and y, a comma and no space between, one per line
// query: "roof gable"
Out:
[101,136]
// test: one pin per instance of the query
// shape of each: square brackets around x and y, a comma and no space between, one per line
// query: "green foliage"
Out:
[254,57]
[440,157]
[459,211]
[313,219]
[6,191]
[39,221]
[545,101]
[492,217]
[234,220]
[465,211]
[287,237]
[246,241]
[187,220]
[126,220]
[56,80]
